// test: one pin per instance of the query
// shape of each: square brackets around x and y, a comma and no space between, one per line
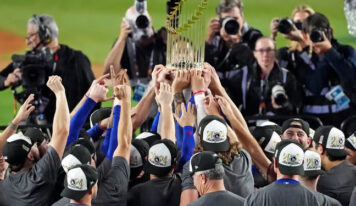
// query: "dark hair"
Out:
[228,5]
[330,157]
[15,167]
[319,21]
[227,157]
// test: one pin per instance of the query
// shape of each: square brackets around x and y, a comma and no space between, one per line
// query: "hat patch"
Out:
[271,146]
[215,132]
[70,161]
[135,158]
[27,149]
[159,155]
[352,140]
[291,155]
[336,139]
[76,180]
[19,136]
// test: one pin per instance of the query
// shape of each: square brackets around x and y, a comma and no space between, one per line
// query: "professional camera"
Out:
[139,22]
[230,25]
[279,95]
[285,26]
[316,35]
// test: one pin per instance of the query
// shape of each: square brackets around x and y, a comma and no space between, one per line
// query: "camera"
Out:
[279,95]
[139,21]
[285,26]
[316,35]
[230,25]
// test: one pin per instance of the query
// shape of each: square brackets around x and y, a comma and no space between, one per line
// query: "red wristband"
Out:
[198,91]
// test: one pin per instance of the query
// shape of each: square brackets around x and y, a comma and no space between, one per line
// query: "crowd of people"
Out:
[195,145]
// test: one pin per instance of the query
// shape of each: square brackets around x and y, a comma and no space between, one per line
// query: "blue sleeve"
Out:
[78,120]
[95,132]
[105,146]
[345,67]
[154,127]
[179,136]
[191,100]
[187,146]
[113,135]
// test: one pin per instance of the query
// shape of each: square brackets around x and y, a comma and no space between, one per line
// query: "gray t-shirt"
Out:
[339,182]
[112,182]
[325,200]
[353,197]
[282,194]
[33,187]
[225,198]
[238,177]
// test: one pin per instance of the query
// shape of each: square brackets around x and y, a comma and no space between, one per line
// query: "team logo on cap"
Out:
[312,163]
[271,146]
[291,155]
[159,155]
[158,160]
[352,140]
[215,132]
[76,183]
[336,139]
[76,180]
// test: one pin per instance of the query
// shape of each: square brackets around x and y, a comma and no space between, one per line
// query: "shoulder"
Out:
[70,52]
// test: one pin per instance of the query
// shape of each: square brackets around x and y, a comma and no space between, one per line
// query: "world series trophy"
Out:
[186,35]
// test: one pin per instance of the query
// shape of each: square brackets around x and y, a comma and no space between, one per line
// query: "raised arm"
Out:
[61,116]
[165,99]
[23,113]
[115,55]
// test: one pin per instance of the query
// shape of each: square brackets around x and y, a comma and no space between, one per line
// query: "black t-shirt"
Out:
[157,192]
[33,187]
[225,198]
[339,182]
[282,194]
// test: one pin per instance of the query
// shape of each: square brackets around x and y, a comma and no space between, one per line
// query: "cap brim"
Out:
[286,170]
[216,147]
[313,173]
[159,171]
[72,194]
[337,152]
[99,115]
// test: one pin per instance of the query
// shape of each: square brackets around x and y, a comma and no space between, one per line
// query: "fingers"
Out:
[182,108]
[29,99]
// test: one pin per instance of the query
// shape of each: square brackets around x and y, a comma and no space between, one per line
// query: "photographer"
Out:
[48,57]
[264,88]
[327,71]
[230,41]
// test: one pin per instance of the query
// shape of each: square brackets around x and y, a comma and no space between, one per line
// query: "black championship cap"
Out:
[312,164]
[296,123]
[332,139]
[213,134]
[138,153]
[161,158]
[149,137]
[78,181]
[267,138]
[16,149]
[75,155]
[351,142]
[203,161]
[35,135]
[290,156]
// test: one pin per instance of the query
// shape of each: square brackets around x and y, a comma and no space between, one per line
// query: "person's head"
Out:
[329,142]
[20,152]
[315,25]
[80,184]
[288,158]
[234,10]
[350,147]
[300,13]
[265,53]
[38,138]
[312,165]
[41,30]
[74,155]
[267,138]
[149,137]
[207,170]
[161,158]
[138,157]
[298,130]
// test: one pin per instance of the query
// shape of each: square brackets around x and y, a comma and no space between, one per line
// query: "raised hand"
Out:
[213,30]
[197,80]
[118,78]
[321,47]
[164,96]
[224,105]
[215,83]
[25,110]
[156,73]
[188,117]
[12,78]
[125,30]
[123,92]
[55,84]
[98,93]
[181,81]
[211,107]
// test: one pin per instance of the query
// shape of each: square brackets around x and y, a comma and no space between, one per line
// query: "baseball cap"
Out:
[351,142]
[78,181]
[75,155]
[139,150]
[149,137]
[290,156]
[312,163]
[332,139]
[35,135]
[267,138]
[161,157]
[87,143]
[99,115]
[203,161]
[213,134]
[296,123]
[16,149]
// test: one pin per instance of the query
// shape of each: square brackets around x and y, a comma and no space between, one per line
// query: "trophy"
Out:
[186,35]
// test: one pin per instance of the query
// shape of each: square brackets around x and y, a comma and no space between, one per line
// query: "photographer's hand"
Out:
[12,78]
[274,27]
[125,30]
[213,30]
[295,35]
[321,47]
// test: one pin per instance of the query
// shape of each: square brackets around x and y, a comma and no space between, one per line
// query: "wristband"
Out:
[198,92]
[13,126]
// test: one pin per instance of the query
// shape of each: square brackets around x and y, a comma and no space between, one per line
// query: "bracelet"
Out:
[13,126]
[198,91]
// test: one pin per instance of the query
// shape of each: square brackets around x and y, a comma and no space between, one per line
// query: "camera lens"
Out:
[230,25]
[298,25]
[316,35]
[142,22]
[279,95]
[285,26]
